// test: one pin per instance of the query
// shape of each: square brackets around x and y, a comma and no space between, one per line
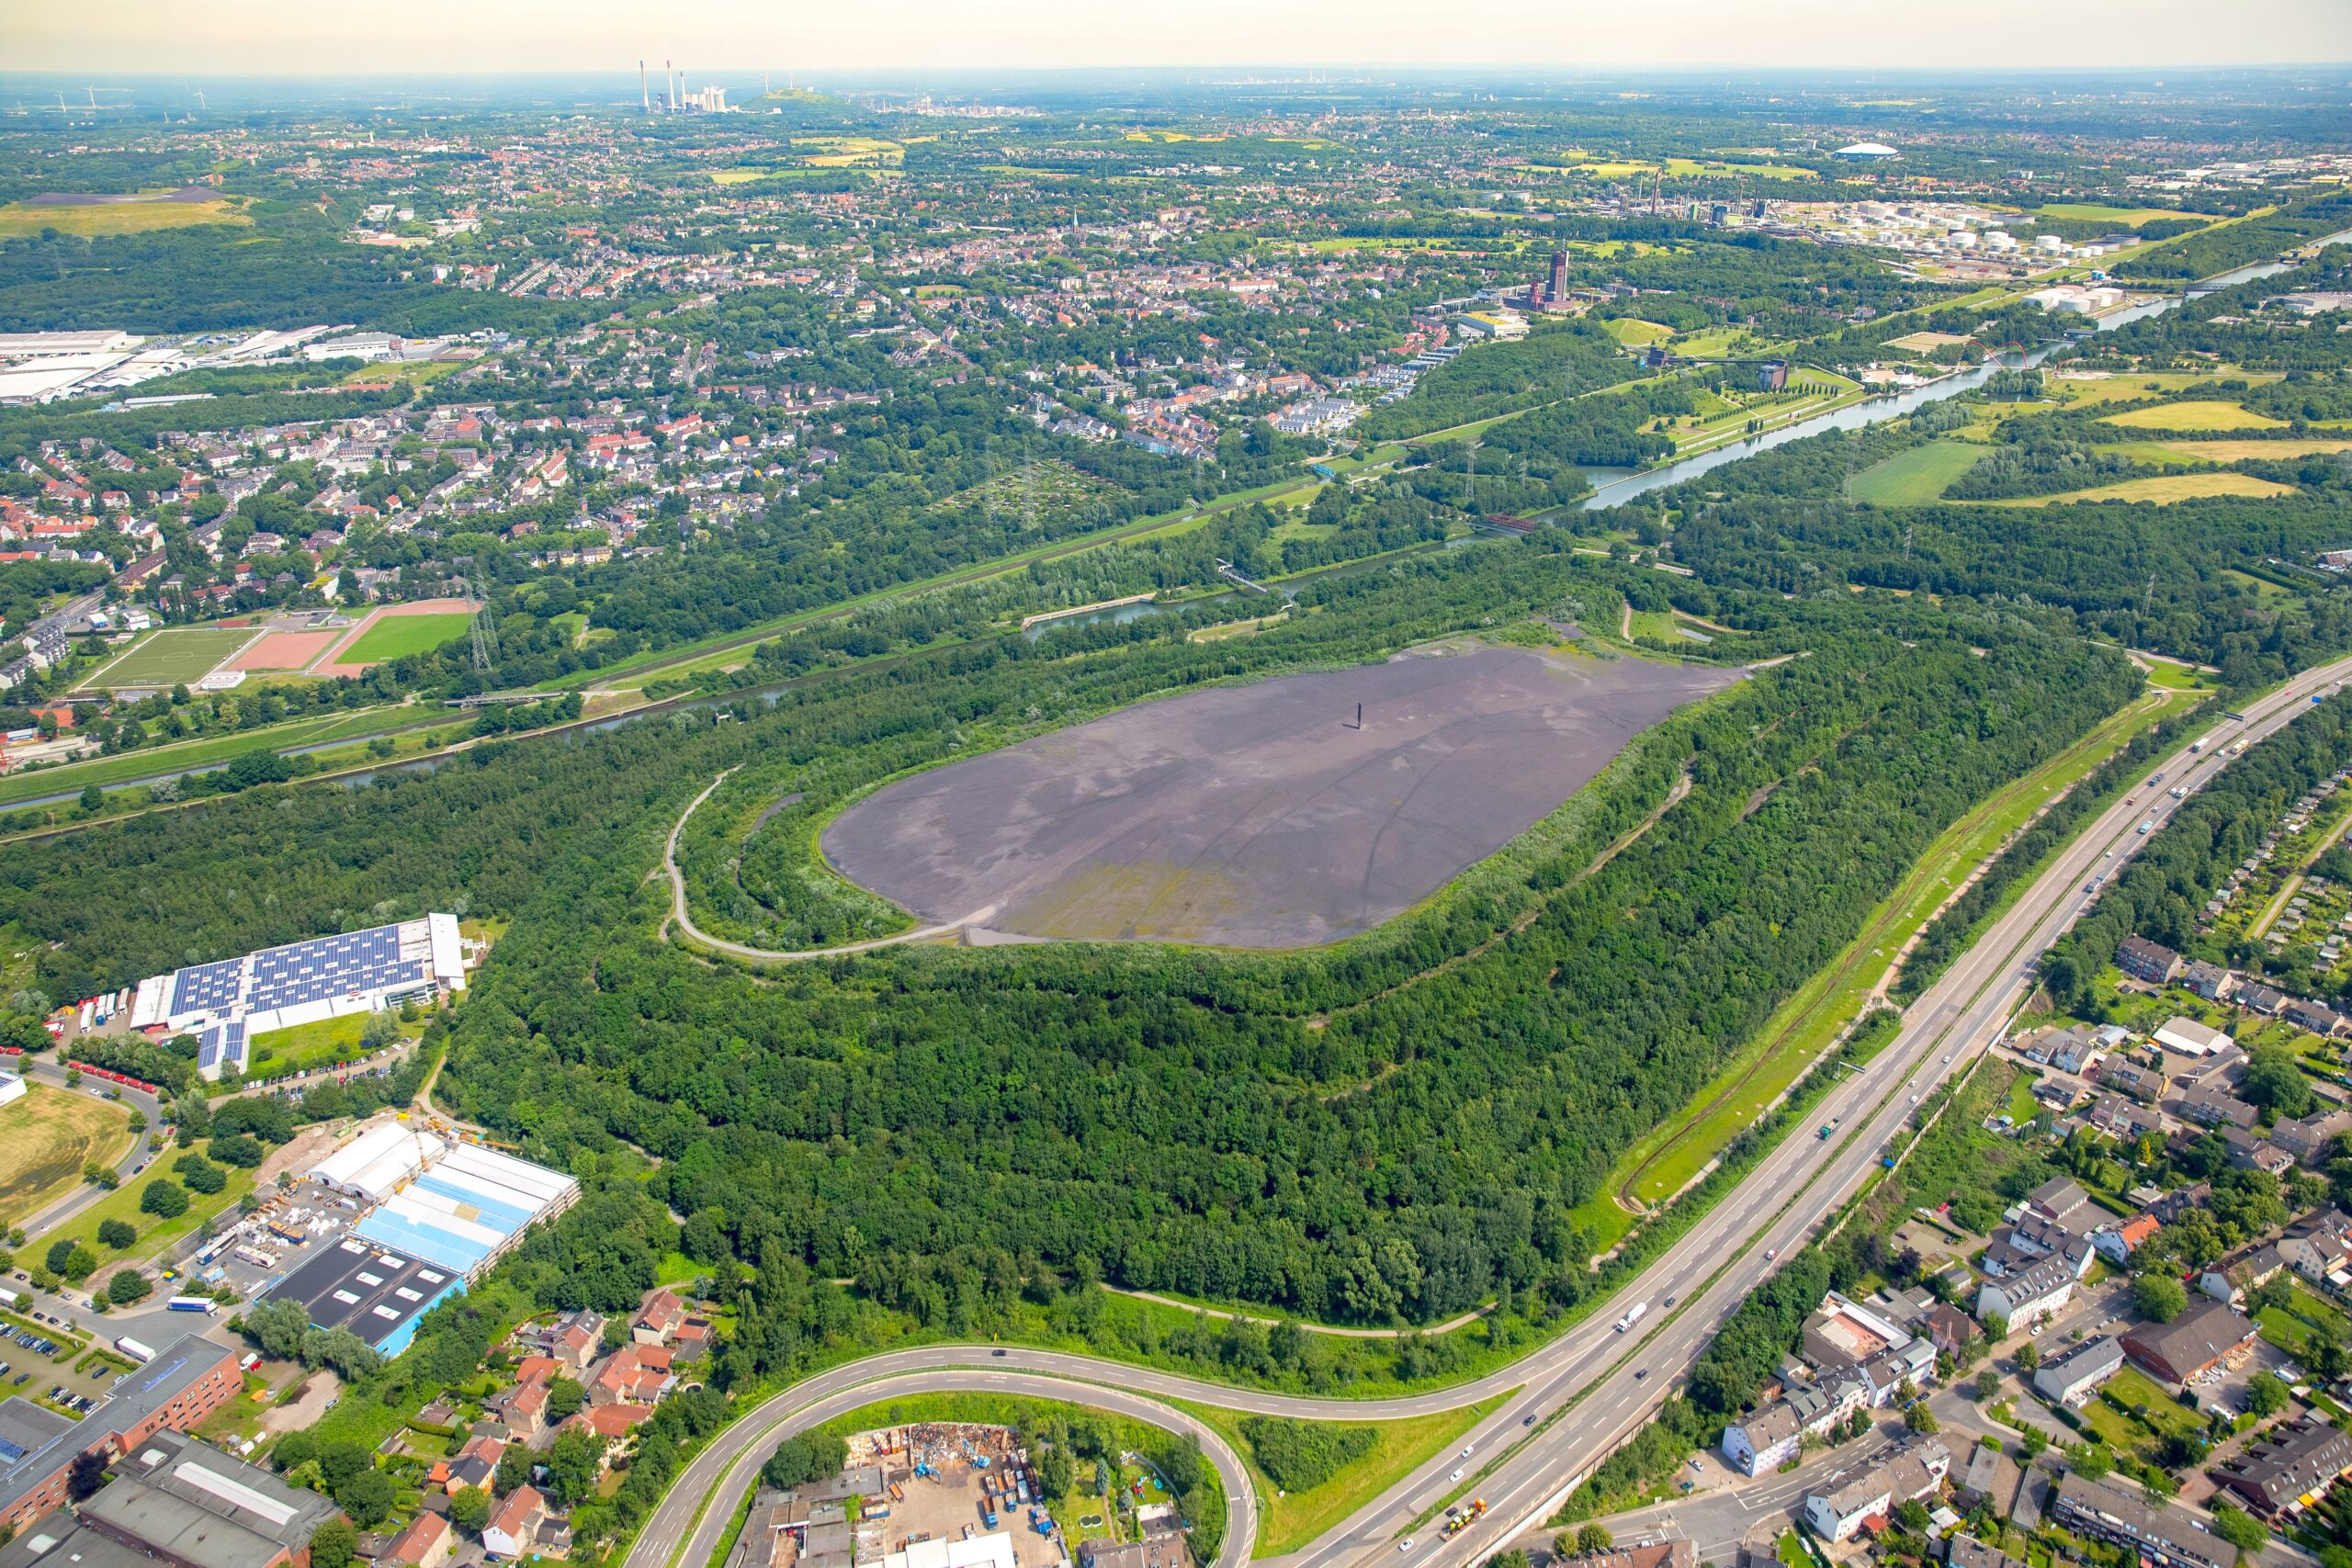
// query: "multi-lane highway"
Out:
[1576,1398]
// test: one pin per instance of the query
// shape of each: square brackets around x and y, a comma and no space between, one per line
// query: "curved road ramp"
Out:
[1260,816]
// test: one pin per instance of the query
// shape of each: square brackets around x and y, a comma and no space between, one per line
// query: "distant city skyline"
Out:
[302,37]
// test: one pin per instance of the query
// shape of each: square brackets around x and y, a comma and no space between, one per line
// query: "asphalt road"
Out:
[818,1400]
[42,1069]
[1577,1397]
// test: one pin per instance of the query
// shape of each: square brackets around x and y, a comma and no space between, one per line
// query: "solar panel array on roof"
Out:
[208,987]
[331,967]
[222,1045]
[301,981]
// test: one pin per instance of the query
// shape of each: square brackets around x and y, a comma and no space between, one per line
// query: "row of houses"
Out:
[2156,965]
[1855,1357]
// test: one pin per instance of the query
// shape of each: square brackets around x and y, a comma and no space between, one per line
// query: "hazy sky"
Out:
[308,36]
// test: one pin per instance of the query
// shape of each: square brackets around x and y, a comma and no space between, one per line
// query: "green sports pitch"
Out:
[174,656]
[398,636]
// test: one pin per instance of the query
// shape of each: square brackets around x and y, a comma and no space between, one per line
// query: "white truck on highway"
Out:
[1633,1315]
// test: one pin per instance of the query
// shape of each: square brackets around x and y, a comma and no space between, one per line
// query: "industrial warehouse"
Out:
[227,1001]
[438,1217]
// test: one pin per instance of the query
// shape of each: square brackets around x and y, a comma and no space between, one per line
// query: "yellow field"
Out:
[2239,451]
[2162,488]
[17,218]
[45,1139]
[2095,387]
[1924,342]
[2194,416]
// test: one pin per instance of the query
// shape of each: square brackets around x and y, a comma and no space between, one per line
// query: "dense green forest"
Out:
[1174,1120]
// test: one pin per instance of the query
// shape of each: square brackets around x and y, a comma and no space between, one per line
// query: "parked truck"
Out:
[134,1349]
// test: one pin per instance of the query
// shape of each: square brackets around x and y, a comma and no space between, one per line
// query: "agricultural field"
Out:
[1916,477]
[2164,490]
[2101,387]
[170,657]
[2240,451]
[47,1137]
[398,636]
[103,220]
[1924,342]
[2196,415]
[847,151]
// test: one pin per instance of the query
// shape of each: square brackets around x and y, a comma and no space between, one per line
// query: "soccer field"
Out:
[397,636]
[173,655]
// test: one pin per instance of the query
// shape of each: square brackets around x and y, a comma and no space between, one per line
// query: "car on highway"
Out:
[1669,1301]
[996,1352]
[1639,1373]
[1529,1422]
[1771,1252]
[1456,1475]
[1406,1544]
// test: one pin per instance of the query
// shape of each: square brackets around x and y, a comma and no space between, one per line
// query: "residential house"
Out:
[2136,1079]
[2119,1241]
[577,1338]
[2213,1108]
[659,1320]
[2208,981]
[513,1528]
[427,1543]
[1950,1329]
[2070,1376]
[2145,960]
[1967,1551]
[2307,1138]
[475,1465]
[2291,1468]
[2200,1340]
[2230,1279]
[635,1374]
[2250,1152]
[2260,998]
[2319,1250]
[2120,1118]
[1915,1472]
[2317,1017]
[2169,1207]
[2041,1288]
[2109,1512]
